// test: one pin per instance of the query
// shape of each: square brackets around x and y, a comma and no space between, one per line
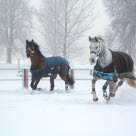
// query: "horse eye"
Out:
[96,47]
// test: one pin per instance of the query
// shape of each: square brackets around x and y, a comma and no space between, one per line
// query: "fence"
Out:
[24,75]
[72,72]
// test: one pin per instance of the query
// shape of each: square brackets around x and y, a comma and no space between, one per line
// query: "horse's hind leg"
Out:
[52,83]
[70,79]
[112,85]
[104,90]
[63,77]
[120,83]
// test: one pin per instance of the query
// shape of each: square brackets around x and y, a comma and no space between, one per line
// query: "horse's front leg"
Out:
[95,98]
[104,90]
[34,84]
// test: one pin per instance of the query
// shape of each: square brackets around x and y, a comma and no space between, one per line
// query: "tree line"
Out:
[62,25]
[122,30]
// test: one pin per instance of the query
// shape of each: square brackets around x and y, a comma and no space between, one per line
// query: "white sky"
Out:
[100,24]
[102,19]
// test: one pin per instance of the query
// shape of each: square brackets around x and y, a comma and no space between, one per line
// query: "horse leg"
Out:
[104,90]
[120,83]
[32,83]
[70,79]
[36,82]
[95,98]
[52,83]
[112,85]
[63,77]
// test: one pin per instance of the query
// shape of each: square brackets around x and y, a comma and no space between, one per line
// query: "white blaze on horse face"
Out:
[94,51]
[30,50]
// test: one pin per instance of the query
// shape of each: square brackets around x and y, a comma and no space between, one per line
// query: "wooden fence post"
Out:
[71,72]
[25,78]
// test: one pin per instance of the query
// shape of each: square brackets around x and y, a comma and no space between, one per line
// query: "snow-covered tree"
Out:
[123,24]
[64,22]
[15,16]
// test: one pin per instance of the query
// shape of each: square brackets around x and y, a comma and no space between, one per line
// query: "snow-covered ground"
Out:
[65,114]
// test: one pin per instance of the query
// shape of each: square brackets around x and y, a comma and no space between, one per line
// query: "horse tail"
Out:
[132,82]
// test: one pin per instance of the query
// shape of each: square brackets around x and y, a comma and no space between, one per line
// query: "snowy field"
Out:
[64,114]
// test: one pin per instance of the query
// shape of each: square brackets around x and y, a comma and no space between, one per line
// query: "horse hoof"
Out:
[112,95]
[106,97]
[95,99]
[39,89]
[66,87]
[51,89]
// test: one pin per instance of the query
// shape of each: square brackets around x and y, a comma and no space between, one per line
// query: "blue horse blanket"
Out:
[54,65]
[102,75]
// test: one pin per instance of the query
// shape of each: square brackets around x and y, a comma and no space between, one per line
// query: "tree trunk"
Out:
[9,55]
[9,48]
[65,48]
[65,37]
[55,31]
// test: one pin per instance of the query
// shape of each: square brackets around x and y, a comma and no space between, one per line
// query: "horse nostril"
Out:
[92,60]
[28,54]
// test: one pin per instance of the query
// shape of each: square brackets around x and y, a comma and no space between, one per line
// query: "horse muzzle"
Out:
[28,55]
[92,61]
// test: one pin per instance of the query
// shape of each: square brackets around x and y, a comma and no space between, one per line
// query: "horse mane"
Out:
[101,39]
[37,49]
[104,42]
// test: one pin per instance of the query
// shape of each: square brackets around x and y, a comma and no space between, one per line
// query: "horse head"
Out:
[95,48]
[30,48]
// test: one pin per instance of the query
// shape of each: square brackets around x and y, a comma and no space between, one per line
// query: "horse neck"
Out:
[36,62]
[105,57]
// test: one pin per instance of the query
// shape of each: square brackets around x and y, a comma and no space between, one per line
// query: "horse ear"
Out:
[26,41]
[32,40]
[90,38]
[96,39]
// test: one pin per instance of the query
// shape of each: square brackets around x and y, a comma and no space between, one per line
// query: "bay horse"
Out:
[110,66]
[42,66]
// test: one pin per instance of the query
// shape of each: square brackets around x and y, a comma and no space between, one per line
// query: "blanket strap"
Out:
[106,76]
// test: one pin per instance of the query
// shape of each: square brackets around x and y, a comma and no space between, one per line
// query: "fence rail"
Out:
[18,74]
